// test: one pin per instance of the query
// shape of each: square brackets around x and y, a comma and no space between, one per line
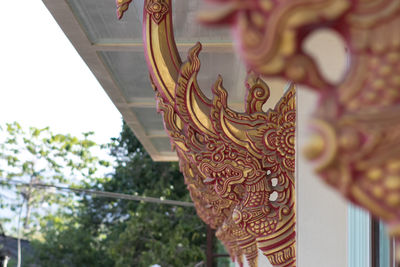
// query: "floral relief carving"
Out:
[238,167]
[122,7]
[157,9]
[356,126]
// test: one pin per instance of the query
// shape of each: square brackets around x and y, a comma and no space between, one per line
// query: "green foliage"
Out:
[221,261]
[114,232]
[35,156]
[66,243]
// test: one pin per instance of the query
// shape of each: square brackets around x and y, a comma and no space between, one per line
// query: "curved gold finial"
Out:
[228,158]
[357,122]
[122,6]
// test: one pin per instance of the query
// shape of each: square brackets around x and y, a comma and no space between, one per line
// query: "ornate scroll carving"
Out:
[157,9]
[122,6]
[357,126]
[239,167]
[233,159]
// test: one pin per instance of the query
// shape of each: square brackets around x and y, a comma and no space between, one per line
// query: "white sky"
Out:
[43,80]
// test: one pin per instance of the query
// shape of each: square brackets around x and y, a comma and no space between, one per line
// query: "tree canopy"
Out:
[116,232]
[33,157]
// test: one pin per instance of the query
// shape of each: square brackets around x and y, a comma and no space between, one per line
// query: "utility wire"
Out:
[104,194]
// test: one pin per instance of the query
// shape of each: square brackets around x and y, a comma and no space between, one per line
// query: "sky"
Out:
[43,80]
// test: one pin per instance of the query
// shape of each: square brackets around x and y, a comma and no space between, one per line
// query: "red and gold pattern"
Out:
[157,9]
[122,6]
[239,167]
[357,126]
[231,159]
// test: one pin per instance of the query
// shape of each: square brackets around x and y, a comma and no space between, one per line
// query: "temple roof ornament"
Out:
[356,125]
[122,6]
[239,167]
[355,148]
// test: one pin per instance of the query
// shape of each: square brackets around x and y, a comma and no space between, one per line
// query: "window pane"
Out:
[359,237]
[384,246]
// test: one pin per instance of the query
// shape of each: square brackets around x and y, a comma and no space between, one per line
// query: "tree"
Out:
[33,157]
[117,232]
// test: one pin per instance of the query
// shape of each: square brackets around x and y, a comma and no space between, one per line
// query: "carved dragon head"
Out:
[235,155]
[356,129]
[232,162]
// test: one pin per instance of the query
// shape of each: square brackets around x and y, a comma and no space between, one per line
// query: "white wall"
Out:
[321,212]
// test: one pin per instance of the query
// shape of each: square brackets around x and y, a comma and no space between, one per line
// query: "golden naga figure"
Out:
[239,167]
[356,147]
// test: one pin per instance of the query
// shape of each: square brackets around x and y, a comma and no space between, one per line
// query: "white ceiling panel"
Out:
[113,51]
[99,20]
[129,69]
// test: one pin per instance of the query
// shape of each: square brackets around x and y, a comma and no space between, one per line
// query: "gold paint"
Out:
[392,182]
[393,93]
[197,113]
[349,140]
[258,19]
[374,174]
[389,9]
[393,199]
[396,80]
[305,14]
[374,62]
[370,204]
[274,65]
[393,57]
[378,47]
[368,95]
[385,70]
[182,146]
[291,140]
[378,84]
[354,104]
[378,192]
[235,216]
[266,5]
[158,44]
[122,7]
[393,166]
[288,43]
[315,148]
[330,145]
[199,128]
[222,153]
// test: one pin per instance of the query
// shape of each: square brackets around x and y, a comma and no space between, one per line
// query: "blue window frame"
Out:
[368,242]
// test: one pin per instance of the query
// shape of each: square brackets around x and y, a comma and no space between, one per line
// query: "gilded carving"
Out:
[238,167]
[357,126]
[157,9]
[122,6]
[237,158]
[234,171]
